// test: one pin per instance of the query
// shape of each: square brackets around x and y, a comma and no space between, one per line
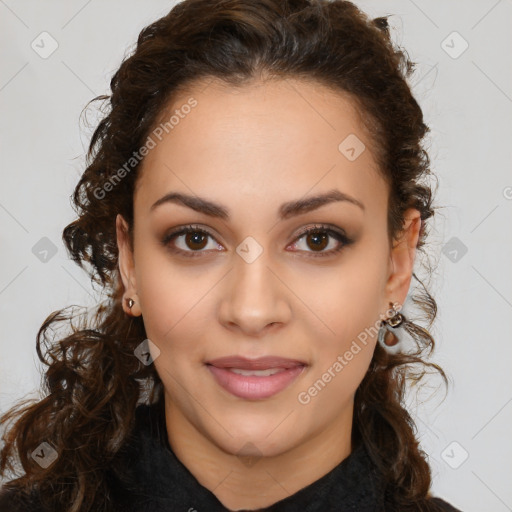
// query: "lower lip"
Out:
[253,387]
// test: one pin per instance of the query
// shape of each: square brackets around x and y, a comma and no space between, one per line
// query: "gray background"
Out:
[467,100]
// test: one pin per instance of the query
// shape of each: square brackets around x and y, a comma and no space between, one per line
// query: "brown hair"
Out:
[94,382]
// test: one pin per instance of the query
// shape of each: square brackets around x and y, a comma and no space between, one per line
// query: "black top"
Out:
[146,476]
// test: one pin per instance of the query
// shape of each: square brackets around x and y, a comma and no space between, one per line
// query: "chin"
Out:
[254,440]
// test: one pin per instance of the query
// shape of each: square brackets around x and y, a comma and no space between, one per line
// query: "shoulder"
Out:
[430,504]
[118,475]
[443,506]
[14,500]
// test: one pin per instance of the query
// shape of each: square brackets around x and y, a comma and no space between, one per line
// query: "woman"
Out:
[253,205]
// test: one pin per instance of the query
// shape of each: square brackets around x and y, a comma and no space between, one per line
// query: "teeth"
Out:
[257,373]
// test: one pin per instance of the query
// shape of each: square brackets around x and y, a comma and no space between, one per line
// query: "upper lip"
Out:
[261,363]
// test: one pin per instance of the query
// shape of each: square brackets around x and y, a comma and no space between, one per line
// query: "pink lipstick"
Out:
[255,379]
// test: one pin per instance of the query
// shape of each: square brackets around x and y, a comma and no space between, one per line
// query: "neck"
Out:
[250,480]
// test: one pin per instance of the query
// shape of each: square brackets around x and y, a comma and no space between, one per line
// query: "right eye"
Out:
[193,240]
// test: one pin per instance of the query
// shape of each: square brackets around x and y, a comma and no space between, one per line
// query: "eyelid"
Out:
[320,227]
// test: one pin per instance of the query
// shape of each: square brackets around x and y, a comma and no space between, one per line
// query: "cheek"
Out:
[348,303]
[174,304]
[341,358]
[346,300]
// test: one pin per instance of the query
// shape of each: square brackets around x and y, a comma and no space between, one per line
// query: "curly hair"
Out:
[93,383]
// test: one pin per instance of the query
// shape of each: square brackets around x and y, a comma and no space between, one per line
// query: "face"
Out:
[246,280]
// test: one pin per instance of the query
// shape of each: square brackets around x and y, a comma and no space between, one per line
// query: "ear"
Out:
[127,267]
[402,257]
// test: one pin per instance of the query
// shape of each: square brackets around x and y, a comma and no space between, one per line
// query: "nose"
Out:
[254,297]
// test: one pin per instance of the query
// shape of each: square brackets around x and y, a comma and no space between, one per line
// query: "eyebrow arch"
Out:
[286,210]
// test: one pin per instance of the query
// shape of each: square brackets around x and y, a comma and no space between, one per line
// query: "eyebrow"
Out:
[286,210]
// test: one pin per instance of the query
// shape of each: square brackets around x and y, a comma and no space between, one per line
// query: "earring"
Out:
[389,326]
[133,306]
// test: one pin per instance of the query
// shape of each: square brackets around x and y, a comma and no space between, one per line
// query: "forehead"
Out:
[276,138]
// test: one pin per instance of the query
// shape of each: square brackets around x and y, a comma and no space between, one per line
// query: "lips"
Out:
[255,379]
[261,363]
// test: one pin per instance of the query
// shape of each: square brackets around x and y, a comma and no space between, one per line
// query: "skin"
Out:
[252,149]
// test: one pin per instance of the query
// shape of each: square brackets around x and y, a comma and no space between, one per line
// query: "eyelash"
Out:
[340,236]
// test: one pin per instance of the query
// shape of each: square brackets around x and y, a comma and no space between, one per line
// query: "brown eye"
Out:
[189,241]
[317,241]
[196,240]
[317,238]
[193,241]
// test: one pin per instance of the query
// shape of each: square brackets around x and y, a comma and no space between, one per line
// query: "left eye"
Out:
[323,240]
